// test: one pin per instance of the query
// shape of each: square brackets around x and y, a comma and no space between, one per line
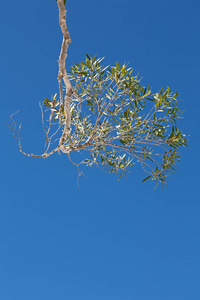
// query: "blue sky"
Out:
[106,240]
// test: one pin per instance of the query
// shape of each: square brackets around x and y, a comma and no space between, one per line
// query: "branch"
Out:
[62,74]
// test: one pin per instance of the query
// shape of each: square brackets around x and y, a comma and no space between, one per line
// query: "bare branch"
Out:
[62,74]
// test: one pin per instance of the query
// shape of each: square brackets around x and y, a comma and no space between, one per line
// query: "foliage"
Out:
[119,122]
[106,113]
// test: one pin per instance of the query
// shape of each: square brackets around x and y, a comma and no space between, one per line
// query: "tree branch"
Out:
[62,74]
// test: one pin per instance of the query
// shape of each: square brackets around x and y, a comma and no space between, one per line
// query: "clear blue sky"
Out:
[106,240]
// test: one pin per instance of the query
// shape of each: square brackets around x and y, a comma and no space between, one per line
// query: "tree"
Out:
[107,113]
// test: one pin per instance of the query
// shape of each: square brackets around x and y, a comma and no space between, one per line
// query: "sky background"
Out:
[103,240]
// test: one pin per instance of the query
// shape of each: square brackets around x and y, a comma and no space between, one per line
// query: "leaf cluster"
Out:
[119,122]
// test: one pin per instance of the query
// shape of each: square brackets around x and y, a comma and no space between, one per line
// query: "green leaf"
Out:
[88,56]
[120,176]
[146,178]
[122,142]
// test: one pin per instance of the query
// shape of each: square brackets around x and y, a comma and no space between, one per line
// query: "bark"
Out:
[62,75]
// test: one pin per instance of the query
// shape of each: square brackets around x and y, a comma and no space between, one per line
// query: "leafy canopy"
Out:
[119,122]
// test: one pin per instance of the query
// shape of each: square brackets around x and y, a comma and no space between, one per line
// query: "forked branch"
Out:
[64,107]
